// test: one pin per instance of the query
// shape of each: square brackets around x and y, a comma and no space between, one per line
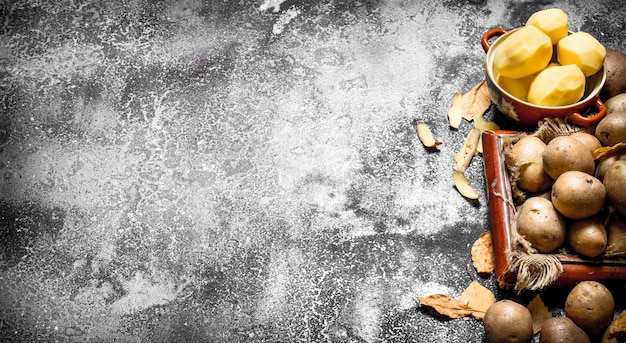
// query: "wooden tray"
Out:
[501,215]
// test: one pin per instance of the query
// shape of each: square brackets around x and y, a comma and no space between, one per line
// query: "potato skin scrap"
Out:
[455,112]
[426,136]
[482,253]
[476,102]
[463,186]
[467,152]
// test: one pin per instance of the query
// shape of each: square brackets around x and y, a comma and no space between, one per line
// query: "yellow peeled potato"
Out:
[552,21]
[525,52]
[583,50]
[557,86]
[516,87]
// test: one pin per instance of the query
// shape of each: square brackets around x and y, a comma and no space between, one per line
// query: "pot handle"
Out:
[582,120]
[498,31]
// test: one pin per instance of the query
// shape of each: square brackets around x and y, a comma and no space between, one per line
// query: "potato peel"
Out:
[455,112]
[463,186]
[426,136]
[464,157]
[474,302]
[483,125]
[606,150]
[483,257]
[476,102]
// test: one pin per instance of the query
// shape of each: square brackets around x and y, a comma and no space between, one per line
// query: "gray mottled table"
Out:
[238,171]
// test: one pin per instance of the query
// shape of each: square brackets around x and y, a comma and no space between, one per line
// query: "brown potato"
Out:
[565,153]
[615,64]
[616,235]
[606,337]
[578,195]
[612,128]
[562,330]
[614,182]
[508,321]
[603,163]
[616,103]
[590,141]
[587,237]
[525,157]
[540,223]
[590,305]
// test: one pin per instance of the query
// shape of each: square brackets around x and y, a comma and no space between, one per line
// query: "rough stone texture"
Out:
[238,171]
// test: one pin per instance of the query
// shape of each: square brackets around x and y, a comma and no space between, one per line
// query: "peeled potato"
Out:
[525,52]
[552,21]
[583,50]
[557,86]
[516,87]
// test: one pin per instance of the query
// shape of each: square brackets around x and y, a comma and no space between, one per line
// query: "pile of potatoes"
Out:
[574,201]
[589,309]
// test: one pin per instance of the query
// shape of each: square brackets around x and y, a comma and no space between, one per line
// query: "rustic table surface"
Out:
[244,171]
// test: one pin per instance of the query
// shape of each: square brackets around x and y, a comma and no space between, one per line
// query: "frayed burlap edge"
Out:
[550,128]
[533,270]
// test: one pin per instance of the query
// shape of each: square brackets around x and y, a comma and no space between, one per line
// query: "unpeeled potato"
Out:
[615,64]
[590,305]
[578,195]
[616,103]
[587,237]
[590,141]
[562,330]
[615,185]
[540,223]
[525,158]
[603,163]
[612,128]
[616,235]
[508,321]
[566,153]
